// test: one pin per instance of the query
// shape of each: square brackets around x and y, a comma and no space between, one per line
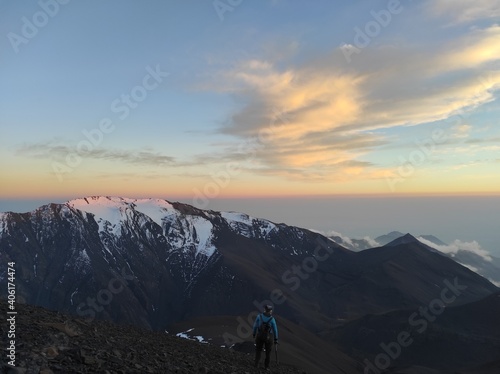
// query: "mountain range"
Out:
[467,254]
[169,266]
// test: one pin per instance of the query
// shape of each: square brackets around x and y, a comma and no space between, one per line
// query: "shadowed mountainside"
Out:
[155,264]
[456,339]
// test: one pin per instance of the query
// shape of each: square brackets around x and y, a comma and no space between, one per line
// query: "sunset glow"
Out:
[269,99]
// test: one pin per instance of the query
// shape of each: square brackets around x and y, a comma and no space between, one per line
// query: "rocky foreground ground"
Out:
[49,342]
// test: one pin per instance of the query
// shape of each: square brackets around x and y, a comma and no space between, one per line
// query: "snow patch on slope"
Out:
[113,209]
[3,222]
[182,230]
[156,209]
[111,212]
[84,257]
[185,335]
[73,294]
[231,217]
[108,212]
[203,229]
[244,224]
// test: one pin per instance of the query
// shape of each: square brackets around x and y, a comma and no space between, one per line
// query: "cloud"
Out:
[52,150]
[292,115]
[466,165]
[480,47]
[470,150]
[461,131]
[464,11]
[421,86]
[372,242]
[318,120]
[470,267]
[321,99]
[348,242]
[344,238]
[459,245]
[484,140]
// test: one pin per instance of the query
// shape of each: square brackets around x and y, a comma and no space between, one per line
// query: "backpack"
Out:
[264,331]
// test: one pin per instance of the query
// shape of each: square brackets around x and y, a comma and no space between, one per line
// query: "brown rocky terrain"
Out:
[51,342]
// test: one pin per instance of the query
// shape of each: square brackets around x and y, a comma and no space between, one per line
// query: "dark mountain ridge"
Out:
[455,339]
[476,259]
[154,264]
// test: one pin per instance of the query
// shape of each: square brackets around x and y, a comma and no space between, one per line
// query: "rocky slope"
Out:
[49,342]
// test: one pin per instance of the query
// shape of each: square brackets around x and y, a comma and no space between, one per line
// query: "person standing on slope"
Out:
[265,332]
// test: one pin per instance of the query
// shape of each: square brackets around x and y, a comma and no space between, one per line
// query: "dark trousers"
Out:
[259,344]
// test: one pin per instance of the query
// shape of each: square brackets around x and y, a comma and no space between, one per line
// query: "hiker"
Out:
[265,332]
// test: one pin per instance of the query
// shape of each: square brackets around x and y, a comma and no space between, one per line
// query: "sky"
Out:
[217,101]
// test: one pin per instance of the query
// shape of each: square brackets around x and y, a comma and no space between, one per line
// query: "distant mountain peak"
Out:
[387,238]
[410,239]
[399,233]
[405,239]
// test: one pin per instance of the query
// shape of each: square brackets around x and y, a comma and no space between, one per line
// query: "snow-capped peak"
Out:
[111,209]
[187,230]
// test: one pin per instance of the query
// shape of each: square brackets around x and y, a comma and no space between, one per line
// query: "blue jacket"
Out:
[262,318]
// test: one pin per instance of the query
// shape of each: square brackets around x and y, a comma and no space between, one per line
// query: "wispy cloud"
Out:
[470,267]
[484,140]
[344,238]
[464,11]
[461,131]
[52,150]
[346,241]
[328,111]
[466,165]
[458,245]
[469,150]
